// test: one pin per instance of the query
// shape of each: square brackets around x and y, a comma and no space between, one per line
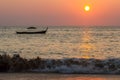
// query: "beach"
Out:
[39,76]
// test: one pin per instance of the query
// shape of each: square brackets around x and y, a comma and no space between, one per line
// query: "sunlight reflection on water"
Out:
[86,46]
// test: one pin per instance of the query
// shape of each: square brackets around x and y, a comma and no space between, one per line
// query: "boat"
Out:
[32,32]
[31,28]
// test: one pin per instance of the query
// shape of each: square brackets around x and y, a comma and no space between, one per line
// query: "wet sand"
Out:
[39,76]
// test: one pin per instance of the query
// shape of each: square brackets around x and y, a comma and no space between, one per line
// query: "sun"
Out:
[87,8]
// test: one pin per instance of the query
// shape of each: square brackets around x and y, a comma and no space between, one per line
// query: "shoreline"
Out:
[58,73]
[34,76]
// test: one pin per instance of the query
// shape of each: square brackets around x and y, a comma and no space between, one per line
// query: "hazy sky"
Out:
[59,12]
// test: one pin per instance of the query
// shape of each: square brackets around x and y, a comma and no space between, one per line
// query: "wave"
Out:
[81,66]
[66,65]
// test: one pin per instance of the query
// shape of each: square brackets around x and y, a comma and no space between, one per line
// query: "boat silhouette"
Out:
[31,28]
[32,32]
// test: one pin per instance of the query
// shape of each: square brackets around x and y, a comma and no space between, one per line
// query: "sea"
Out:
[63,43]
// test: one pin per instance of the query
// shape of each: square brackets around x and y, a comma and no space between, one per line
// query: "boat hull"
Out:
[39,32]
[32,32]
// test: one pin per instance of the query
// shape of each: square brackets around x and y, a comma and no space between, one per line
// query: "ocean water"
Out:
[62,42]
[87,50]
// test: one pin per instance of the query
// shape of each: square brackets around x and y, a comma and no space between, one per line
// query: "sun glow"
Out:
[87,8]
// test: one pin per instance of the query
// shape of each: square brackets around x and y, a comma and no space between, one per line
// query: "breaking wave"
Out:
[81,66]
[66,65]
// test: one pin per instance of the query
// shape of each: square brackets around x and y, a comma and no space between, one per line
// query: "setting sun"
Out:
[87,8]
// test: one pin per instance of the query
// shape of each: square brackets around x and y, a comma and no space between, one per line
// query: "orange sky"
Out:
[59,12]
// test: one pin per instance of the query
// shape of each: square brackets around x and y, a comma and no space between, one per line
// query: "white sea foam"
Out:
[88,66]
